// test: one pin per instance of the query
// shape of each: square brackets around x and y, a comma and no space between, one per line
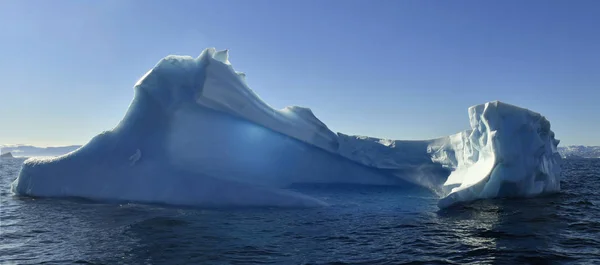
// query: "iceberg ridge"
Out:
[196,134]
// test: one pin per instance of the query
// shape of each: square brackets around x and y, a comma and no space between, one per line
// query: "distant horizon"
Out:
[34,145]
[402,70]
[72,145]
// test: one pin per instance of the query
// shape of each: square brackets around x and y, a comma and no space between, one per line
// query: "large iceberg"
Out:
[196,134]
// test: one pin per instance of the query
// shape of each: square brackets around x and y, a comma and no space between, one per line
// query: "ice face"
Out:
[196,134]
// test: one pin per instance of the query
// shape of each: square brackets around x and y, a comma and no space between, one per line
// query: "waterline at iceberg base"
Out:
[195,134]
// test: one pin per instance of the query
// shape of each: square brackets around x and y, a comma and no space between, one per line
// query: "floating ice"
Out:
[196,134]
[510,152]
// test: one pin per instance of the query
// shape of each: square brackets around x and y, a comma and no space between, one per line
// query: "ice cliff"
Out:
[509,152]
[196,134]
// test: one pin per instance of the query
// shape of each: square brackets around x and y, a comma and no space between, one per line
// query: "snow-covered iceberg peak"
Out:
[509,151]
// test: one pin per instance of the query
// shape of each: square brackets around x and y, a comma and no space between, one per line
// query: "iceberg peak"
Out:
[222,56]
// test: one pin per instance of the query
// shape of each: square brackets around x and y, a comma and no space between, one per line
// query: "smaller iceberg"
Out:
[509,152]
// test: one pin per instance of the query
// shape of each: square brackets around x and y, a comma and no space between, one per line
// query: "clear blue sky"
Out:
[398,69]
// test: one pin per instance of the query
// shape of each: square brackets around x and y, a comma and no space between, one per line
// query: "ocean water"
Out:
[364,225]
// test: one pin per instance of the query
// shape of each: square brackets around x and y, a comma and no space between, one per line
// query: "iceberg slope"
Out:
[196,134]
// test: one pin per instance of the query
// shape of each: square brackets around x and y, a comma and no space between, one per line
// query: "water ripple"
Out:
[377,226]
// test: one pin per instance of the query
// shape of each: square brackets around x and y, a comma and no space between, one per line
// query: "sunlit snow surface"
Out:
[196,134]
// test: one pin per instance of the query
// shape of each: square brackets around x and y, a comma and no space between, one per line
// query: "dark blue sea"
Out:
[364,225]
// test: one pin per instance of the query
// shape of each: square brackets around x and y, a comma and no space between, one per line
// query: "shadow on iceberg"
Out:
[196,134]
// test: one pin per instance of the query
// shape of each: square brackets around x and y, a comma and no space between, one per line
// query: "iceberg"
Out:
[509,152]
[579,152]
[196,134]
[30,151]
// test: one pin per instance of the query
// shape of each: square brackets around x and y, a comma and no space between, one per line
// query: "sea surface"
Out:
[364,225]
